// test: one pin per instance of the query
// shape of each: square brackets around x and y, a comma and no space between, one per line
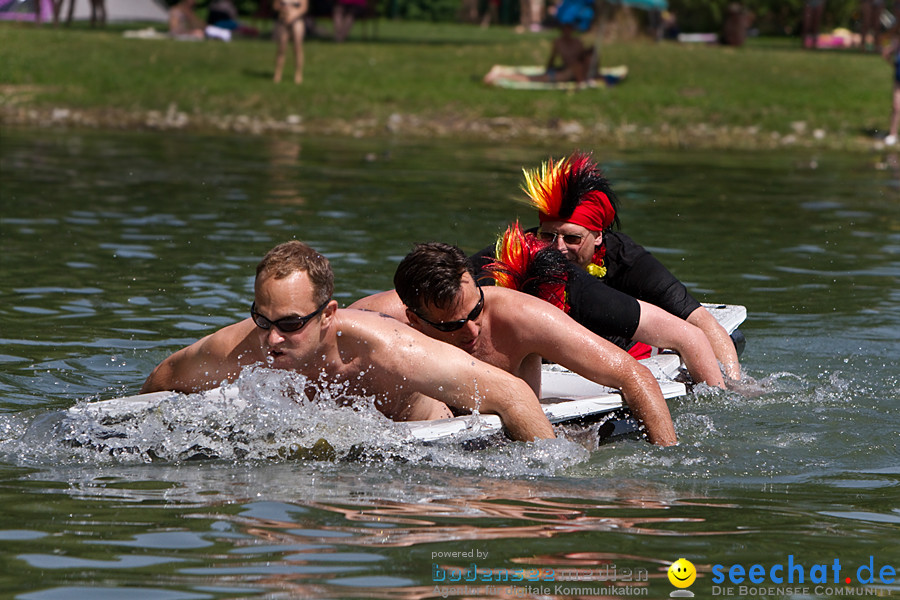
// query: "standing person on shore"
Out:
[891,53]
[290,28]
[344,14]
[870,13]
[531,14]
[812,22]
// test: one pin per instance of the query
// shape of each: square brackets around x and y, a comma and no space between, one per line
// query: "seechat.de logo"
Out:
[682,574]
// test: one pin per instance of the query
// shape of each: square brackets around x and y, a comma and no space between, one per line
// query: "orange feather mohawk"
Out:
[526,264]
[572,189]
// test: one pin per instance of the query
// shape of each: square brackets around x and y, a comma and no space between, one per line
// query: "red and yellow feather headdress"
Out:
[526,264]
[572,189]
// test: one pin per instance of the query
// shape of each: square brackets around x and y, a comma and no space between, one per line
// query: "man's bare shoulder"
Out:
[528,321]
[368,325]
[377,338]
[517,306]
[387,303]
[237,340]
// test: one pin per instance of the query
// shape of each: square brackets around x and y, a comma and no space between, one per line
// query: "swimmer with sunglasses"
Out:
[295,325]
[436,293]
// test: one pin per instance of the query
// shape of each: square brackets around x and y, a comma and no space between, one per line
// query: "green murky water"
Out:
[118,249]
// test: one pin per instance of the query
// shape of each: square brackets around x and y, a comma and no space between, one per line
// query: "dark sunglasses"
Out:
[286,324]
[570,239]
[447,326]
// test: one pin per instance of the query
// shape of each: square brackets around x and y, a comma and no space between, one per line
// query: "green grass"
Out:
[675,94]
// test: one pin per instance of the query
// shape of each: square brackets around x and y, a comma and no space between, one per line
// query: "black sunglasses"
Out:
[286,324]
[570,239]
[446,326]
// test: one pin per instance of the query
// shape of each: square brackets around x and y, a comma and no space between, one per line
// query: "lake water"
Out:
[117,249]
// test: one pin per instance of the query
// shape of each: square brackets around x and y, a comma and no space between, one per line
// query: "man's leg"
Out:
[281,35]
[298,33]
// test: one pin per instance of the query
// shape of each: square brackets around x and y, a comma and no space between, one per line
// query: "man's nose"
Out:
[560,244]
[274,336]
[472,329]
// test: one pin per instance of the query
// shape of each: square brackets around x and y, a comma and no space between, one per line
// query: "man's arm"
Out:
[206,363]
[719,340]
[664,330]
[464,382]
[558,338]
[891,48]
[446,373]
[648,280]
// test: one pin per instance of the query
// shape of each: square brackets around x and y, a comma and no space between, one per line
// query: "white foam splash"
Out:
[265,415]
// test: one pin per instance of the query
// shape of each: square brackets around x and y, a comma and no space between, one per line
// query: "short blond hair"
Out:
[286,259]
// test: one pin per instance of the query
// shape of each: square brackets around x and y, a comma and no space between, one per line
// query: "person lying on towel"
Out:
[570,60]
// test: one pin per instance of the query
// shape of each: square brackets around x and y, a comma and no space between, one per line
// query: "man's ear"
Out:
[414,320]
[328,313]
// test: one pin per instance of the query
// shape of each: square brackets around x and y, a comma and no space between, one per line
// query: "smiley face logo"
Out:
[682,573]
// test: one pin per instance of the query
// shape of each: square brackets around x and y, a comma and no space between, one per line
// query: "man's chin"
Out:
[469,346]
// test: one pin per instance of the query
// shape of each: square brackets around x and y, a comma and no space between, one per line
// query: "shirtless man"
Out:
[567,48]
[411,376]
[436,293]
[290,26]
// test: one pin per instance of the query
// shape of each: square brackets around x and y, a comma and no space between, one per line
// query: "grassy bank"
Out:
[424,79]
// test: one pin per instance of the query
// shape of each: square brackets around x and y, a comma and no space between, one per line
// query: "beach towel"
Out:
[608,76]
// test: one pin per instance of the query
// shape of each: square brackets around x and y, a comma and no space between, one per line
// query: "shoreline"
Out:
[700,136]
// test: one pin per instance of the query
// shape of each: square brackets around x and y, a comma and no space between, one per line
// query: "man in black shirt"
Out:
[577,212]
[526,264]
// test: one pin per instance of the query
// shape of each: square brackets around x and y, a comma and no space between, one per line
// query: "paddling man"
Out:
[577,211]
[411,376]
[436,293]
[534,267]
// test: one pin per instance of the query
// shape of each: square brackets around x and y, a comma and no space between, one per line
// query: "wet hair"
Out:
[290,257]
[431,274]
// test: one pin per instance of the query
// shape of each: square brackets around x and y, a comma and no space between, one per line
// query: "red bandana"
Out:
[594,212]
[554,191]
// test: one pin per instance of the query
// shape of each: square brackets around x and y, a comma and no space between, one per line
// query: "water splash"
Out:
[264,415]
